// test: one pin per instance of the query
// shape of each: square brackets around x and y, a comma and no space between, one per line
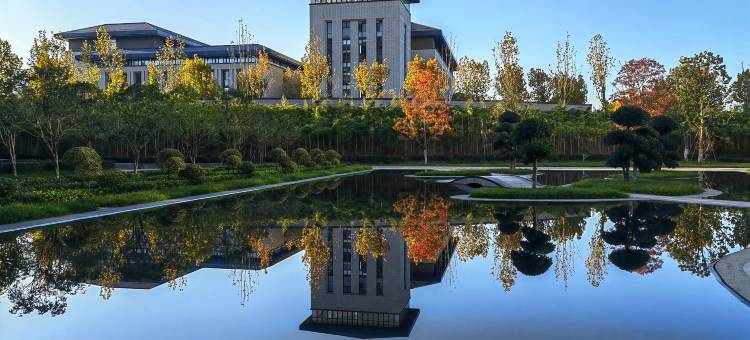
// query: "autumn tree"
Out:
[601,61]
[565,75]
[111,61]
[425,116]
[84,69]
[641,83]
[741,91]
[254,78]
[424,225]
[314,71]
[541,86]
[700,85]
[12,119]
[510,83]
[166,70]
[370,80]
[473,79]
[195,80]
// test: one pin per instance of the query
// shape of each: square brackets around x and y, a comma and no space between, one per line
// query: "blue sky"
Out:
[660,29]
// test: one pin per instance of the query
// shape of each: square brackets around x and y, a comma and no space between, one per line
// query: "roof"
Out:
[123,30]
[424,31]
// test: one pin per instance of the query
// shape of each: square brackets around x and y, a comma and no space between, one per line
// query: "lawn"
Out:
[44,197]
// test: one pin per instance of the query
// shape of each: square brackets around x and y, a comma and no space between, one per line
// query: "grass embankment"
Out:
[60,202]
[459,173]
[584,164]
[658,183]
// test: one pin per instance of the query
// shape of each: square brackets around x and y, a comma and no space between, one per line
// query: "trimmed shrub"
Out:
[319,157]
[302,157]
[247,168]
[233,162]
[228,153]
[113,179]
[173,166]
[192,172]
[287,165]
[333,157]
[277,155]
[165,154]
[8,187]
[78,155]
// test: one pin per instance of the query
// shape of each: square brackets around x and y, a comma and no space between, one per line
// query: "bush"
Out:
[319,157]
[165,154]
[192,172]
[173,166]
[302,157]
[89,170]
[288,165]
[78,155]
[233,162]
[333,157]
[8,187]
[113,179]
[228,153]
[277,155]
[247,168]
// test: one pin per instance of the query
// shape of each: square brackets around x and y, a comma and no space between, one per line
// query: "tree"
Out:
[84,69]
[510,83]
[56,103]
[196,122]
[314,71]
[532,137]
[473,79]
[254,79]
[12,118]
[370,80]
[166,70]
[425,116]
[541,85]
[565,75]
[111,60]
[601,61]
[504,145]
[291,87]
[700,85]
[195,80]
[138,112]
[641,83]
[741,91]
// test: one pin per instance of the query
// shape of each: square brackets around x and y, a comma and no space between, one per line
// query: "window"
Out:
[137,78]
[329,54]
[225,80]
[362,275]
[346,60]
[362,34]
[379,276]
[347,243]
[379,39]
[406,52]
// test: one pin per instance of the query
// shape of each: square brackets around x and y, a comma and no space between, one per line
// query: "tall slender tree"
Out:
[370,80]
[12,119]
[565,73]
[314,71]
[541,85]
[741,91]
[166,70]
[510,83]
[473,79]
[601,61]
[112,62]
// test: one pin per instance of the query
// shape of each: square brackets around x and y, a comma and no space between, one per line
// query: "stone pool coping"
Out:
[104,212]
[541,168]
[733,272]
[701,199]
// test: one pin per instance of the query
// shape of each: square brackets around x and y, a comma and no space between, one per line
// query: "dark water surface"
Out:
[286,265]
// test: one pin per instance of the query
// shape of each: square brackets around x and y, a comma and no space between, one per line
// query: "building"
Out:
[140,42]
[352,32]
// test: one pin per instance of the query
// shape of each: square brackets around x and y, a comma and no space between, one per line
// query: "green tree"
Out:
[532,137]
[741,91]
[12,118]
[565,76]
[138,111]
[541,85]
[504,144]
[601,62]
[510,83]
[473,79]
[196,123]
[700,86]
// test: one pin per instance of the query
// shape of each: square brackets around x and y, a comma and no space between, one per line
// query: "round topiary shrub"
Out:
[319,157]
[302,157]
[287,165]
[173,166]
[247,168]
[8,187]
[228,153]
[277,155]
[113,179]
[192,172]
[233,162]
[165,154]
[76,156]
[333,157]
[88,170]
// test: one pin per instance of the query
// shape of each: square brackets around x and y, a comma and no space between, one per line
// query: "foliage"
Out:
[166,154]
[642,83]
[319,157]
[302,157]
[370,80]
[567,83]
[137,113]
[194,172]
[424,226]
[371,241]
[111,60]
[247,168]
[195,80]
[314,70]
[741,91]
[233,162]
[333,157]
[8,187]
[173,166]
[291,87]
[287,165]
[254,79]
[12,118]
[541,86]
[531,136]
[277,155]
[81,156]
[223,157]
[113,179]
[510,84]
[601,61]
[473,79]
[504,145]
[166,71]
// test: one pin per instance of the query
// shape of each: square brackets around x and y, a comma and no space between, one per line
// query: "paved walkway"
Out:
[733,271]
[104,212]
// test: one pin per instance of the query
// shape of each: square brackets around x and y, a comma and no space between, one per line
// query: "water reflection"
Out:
[365,243]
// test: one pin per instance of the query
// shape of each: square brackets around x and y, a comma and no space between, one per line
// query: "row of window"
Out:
[347,268]
[361,319]
[346,48]
[216,61]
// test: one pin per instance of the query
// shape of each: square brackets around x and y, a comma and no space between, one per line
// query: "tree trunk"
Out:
[425,154]
[56,163]
[533,183]
[136,162]
[12,154]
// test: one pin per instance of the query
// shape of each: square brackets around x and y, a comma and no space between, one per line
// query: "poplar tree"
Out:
[510,83]
[601,62]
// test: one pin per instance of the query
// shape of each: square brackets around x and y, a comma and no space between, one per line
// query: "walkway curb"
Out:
[733,272]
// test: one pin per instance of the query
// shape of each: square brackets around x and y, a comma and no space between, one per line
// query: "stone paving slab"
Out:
[733,272]
[104,212]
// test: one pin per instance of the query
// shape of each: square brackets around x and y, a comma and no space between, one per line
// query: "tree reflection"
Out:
[596,263]
[700,239]
[317,252]
[565,230]
[507,239]
[473,239]
[371,240]
[424,226]
[531,259]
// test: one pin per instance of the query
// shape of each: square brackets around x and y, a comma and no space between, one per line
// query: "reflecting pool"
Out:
[377,256]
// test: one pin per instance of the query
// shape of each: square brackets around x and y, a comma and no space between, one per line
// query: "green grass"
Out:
[17,212]
[644,186]
[458,173]
[548,193]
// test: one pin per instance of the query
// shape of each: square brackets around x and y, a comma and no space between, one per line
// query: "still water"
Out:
[377,256]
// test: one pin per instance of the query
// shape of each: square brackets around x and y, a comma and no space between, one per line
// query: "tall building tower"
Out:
[352,32]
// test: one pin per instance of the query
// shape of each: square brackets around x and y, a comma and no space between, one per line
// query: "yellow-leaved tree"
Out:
[254,78]
[314,72]
[111,60]
[195,80]
[370,80]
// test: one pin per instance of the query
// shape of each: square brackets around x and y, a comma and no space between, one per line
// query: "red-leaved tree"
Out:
[642,83]
[424,226]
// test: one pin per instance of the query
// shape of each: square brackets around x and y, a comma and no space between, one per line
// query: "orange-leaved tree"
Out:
[425,116]
[425,226]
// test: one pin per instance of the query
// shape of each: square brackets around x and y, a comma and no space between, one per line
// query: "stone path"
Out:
[104,212]
[733,272]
